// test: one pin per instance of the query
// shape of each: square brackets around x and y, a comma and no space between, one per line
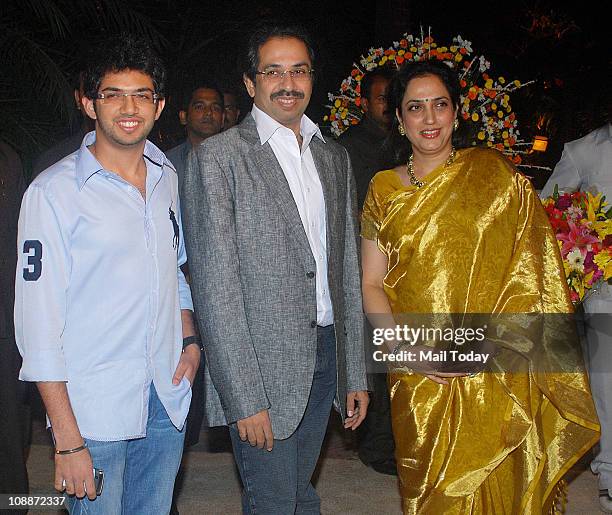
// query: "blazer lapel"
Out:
[272,174]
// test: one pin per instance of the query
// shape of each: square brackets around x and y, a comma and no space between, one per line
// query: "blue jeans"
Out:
[138,474]
[278,482]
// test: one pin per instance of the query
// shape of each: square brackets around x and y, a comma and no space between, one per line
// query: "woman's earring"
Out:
[455,124]
[400,129]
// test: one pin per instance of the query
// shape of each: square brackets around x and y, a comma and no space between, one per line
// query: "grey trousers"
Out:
[598,355]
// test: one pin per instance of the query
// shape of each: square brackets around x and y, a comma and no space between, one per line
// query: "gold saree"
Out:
[475,239]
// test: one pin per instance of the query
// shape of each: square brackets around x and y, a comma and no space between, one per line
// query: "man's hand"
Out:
[356,409]
[257,429]
[187,365]
[74,473]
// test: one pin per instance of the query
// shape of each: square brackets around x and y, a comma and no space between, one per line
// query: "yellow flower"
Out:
[337,103]
[489,84]
[494,106]
[413,49]
[343,114]
[474,117]
[383,60]
[501,80]
[325,118]
[505,134]
[489,143]
[594,205]
[458,58]
[453,48]
[548,201]
[517,83]
[500,114]
[443,49]
[401,52]
[481,135]
[603,228]
[508,109]
[604,261]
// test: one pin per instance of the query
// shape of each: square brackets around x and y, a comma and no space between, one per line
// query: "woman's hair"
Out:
[398,147]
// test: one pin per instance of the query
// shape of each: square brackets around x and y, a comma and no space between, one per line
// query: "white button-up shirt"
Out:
[301,174]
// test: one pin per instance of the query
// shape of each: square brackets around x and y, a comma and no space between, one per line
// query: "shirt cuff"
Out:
[44,365]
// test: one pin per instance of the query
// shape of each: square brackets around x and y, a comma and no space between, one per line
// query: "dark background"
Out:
[564,48]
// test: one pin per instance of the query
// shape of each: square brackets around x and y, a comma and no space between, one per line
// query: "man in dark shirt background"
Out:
[364,143]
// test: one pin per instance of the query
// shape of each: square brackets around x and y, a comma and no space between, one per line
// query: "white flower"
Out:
[575,260]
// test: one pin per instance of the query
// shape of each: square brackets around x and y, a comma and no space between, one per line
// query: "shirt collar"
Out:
[267,127]
[87,164]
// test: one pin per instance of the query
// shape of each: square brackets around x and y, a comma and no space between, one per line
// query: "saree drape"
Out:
[475,239]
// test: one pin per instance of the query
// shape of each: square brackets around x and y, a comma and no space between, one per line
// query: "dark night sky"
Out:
[205,38]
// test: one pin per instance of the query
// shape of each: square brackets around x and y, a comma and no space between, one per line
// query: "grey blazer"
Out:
[252,282]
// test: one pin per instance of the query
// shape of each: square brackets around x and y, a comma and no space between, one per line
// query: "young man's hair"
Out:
[264,33]
[121,53]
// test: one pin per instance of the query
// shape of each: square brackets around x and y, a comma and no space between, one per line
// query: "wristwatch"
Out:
[190,340]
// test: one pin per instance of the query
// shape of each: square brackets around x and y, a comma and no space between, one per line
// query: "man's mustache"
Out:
[286,93]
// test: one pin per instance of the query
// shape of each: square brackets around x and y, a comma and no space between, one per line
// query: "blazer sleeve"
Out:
[566,175]
[210,237]
[353,316]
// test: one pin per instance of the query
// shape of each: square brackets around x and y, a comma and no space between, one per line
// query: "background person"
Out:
[203,116]
[586,165]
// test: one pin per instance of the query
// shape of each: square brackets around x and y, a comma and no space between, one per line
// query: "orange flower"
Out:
[472,94]
[403,43]
[462,83]
[465,116]
[399,59]
[408,55]
[428,39]
[463,50]
[354,72]
[358,101]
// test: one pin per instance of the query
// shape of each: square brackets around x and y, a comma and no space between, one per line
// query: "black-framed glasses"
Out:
[298,74]
[143,97]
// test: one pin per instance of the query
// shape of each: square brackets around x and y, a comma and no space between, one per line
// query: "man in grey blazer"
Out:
[586,164]
[270,226]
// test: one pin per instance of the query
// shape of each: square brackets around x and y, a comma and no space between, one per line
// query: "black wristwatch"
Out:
[189,340]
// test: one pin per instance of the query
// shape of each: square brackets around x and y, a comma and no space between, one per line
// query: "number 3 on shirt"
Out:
[34,268]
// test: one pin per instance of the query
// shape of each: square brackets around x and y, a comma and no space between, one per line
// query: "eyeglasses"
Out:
[298,74]
[140,97]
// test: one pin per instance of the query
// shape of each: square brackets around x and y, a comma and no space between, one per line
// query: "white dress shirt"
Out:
[301,174]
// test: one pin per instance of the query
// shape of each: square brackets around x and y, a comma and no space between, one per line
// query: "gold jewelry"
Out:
[401,130]
[410,168]
[455,124]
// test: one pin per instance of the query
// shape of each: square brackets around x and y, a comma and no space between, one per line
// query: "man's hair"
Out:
[120,53]
[188,92]
[369,78]
[267,31]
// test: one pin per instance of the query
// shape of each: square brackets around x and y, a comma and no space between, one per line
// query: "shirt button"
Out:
[313,324]
[310,275]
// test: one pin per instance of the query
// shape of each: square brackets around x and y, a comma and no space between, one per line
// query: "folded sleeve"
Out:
[41,284]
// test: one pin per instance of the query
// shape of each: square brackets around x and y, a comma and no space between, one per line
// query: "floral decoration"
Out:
[485,100]
[583,227]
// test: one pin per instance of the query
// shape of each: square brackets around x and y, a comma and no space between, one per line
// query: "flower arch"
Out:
[485,100]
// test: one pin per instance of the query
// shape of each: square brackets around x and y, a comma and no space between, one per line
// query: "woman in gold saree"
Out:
[460,231]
